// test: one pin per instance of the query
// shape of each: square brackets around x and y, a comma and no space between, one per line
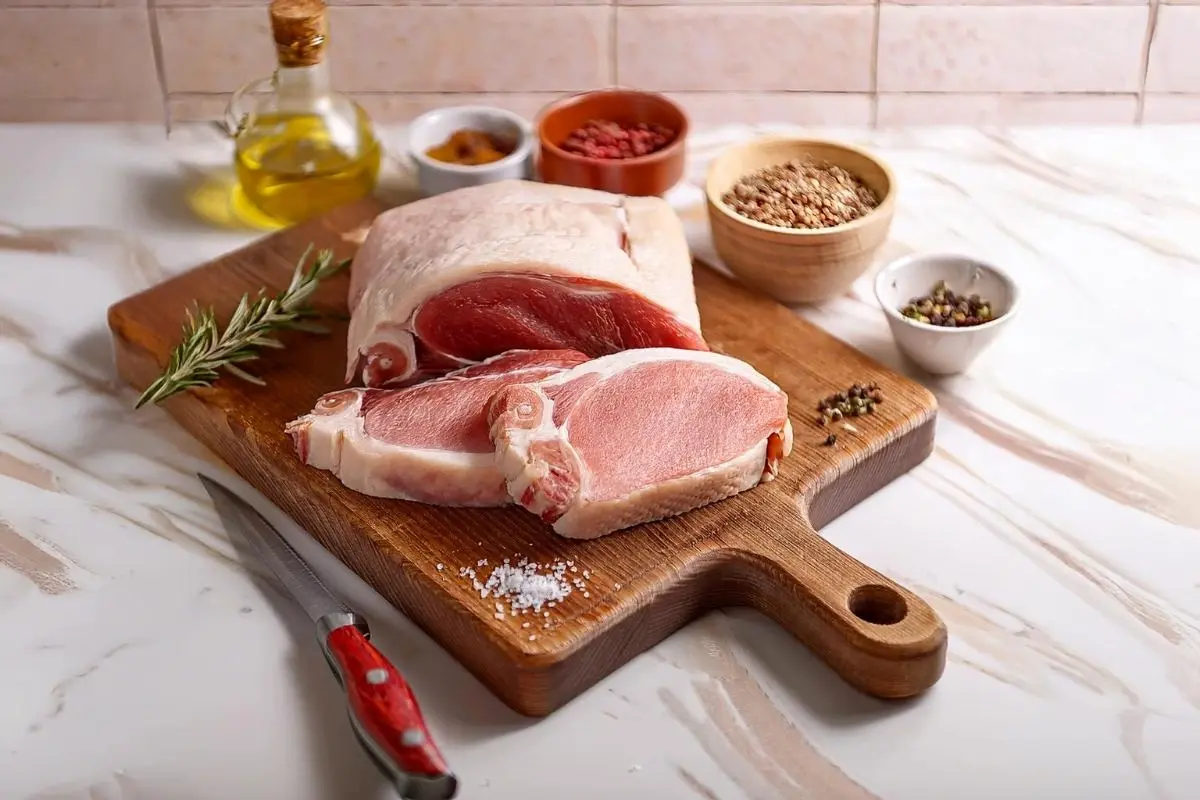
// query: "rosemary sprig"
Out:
[205,349]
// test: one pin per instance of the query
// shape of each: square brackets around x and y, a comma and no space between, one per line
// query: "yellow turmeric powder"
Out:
[469,148]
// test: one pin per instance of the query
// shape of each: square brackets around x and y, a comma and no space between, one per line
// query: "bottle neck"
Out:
[299,83]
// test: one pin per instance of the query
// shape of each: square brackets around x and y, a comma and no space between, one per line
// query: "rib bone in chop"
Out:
[638,436]
[454,279]
[427,442]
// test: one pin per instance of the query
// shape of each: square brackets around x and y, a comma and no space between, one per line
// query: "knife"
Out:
[383,711]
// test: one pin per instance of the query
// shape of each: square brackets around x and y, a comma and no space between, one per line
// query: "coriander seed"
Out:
[801,194]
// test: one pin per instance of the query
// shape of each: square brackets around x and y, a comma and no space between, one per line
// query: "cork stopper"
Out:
[300,31]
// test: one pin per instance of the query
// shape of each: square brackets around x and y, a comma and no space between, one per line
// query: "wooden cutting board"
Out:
[636,587]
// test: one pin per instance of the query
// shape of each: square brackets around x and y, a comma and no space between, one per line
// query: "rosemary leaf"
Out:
[308,327]
[246,376]
[205,349]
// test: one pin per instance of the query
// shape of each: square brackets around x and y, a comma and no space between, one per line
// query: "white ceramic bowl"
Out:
[435,127]
[938,350]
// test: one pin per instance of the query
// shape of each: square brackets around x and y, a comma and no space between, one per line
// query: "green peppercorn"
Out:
[944,308]
[858,400]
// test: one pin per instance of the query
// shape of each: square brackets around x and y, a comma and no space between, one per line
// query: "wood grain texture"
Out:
[759,549]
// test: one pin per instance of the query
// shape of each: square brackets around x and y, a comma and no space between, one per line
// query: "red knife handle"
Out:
[386,716]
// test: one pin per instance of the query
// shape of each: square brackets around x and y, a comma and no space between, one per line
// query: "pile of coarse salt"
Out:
[526,585]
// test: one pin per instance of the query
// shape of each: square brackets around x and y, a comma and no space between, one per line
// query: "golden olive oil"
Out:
[301,148]
[292,166]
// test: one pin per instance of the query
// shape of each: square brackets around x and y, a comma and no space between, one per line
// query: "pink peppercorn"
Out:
[612,140]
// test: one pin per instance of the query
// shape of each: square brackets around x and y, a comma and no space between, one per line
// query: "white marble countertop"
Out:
[1056,528]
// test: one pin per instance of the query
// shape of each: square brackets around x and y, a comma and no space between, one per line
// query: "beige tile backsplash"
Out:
[814,48]
[1011,49]
[834,62]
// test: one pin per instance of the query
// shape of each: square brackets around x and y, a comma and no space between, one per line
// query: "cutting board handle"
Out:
[880,637]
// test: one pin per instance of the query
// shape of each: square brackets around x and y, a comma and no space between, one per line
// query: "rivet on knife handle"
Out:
[386,717]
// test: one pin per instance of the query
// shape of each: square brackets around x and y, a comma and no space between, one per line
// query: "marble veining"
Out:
[1056,528]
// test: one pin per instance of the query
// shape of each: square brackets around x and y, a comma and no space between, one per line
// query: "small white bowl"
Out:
[435,127]
[938,350]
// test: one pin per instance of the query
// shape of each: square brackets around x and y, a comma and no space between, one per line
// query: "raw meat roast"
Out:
[427,442]
[637,436]
[556,333]
[457,278]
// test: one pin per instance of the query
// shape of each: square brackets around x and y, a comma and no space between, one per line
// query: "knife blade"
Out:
[383,711]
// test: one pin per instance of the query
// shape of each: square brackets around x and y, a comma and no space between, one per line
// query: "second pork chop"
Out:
[638,436]
[427,442]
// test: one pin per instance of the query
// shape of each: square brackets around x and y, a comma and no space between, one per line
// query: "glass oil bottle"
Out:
[301,148]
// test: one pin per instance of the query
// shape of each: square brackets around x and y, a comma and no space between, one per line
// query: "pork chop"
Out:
[454,279]
[427,442]
[637,436]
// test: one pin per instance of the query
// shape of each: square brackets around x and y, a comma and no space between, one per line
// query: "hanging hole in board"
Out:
[878,605]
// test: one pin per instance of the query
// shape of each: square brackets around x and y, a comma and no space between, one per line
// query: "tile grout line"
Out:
[160,68]
[1147,44]
[764,4]
[614,71]
[686,92]
[875,65]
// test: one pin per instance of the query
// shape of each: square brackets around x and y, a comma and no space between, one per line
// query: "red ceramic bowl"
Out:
[653,174]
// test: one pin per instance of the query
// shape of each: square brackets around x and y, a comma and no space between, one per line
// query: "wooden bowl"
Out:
[797,265]
[653,174]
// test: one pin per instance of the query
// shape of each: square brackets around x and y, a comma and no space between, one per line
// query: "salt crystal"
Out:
[525,587]
[524,624]
[616,586]
[587,573]
[587,594]
[440,567]
[532,636]
[499,615]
